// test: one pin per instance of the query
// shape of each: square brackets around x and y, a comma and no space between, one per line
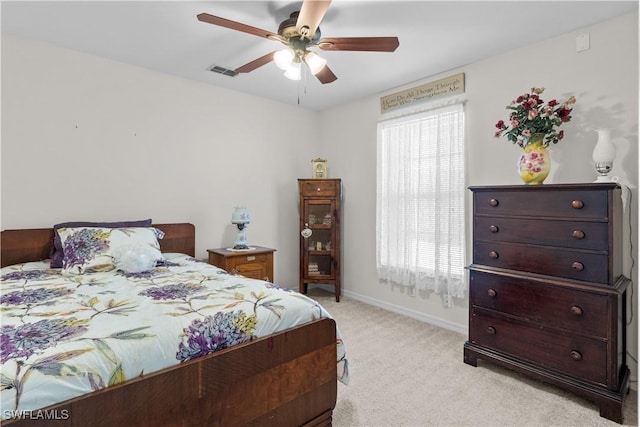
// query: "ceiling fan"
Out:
[298,33]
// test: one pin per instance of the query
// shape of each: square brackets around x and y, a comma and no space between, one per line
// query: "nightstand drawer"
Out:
[578,265]
[319,188]
[535,202]
[540,303]
[570,354]
[247,258]
[568,234]
[254,270]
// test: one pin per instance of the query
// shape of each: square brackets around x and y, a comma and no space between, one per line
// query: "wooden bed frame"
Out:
[285,379]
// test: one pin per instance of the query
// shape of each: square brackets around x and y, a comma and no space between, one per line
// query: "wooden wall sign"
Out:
[426,92]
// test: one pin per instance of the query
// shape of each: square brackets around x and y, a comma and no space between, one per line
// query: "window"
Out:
[420,200]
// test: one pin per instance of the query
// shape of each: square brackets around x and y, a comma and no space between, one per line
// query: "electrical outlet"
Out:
[447,301]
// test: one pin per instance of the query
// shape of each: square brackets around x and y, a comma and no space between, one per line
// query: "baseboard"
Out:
[432,320]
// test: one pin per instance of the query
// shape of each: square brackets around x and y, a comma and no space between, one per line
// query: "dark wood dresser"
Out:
[547,297]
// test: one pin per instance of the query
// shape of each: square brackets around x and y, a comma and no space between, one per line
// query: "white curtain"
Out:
[420,200]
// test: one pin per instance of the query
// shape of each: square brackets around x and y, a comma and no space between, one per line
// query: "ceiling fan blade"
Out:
[227,23]
[326,75]
[256,63]
[311,14]
[376,44]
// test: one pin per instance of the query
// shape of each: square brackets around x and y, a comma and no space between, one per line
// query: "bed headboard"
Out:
[33,244]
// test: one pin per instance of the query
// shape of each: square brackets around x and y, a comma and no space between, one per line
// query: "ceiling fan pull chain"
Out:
[306,75]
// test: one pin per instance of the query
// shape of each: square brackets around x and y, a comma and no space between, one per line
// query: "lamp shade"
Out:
[283,58]
[294,71]
[240,215]
[314,62]
[605,150]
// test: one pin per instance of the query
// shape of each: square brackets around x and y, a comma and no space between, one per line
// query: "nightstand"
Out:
[256,263]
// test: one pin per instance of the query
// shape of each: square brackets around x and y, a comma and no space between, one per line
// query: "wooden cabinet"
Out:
[320,233]
[547,297]
[256,263]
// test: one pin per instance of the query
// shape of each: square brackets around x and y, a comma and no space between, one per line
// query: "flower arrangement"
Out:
[531,115]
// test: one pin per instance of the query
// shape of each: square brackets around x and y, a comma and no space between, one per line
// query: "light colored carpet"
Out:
[408,373]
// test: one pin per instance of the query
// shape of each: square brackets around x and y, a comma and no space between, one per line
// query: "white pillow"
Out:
[135,258]
[92,249]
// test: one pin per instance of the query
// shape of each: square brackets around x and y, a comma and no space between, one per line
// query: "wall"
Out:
[84,138]
[605,81]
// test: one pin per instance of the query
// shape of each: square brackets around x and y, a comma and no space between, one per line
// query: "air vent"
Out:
[223,70]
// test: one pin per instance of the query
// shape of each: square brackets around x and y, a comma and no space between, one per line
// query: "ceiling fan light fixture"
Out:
[298,33]
[283,58]
[294,71]
[315,62]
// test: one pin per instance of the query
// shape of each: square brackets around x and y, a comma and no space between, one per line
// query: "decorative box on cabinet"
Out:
[547,297]
[320,251]
[256,263]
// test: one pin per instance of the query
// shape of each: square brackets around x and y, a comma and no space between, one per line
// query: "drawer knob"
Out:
[491,330]
[493,202]
[577,266]
[576,311]
[318,189]
[576,355]
[578,234]
[577,204]
[493,228]
[493,255]
[492,293]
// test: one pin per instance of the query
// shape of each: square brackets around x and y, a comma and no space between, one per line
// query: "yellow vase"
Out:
[534,164]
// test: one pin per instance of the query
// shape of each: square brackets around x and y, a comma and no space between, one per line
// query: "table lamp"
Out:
[604,153]
[240,217]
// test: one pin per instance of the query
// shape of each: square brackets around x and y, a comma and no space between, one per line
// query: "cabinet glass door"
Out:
[319,217]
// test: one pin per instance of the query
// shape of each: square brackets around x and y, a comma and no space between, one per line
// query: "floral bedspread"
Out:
[63,336]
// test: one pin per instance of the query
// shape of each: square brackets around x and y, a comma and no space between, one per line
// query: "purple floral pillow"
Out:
[56,253]
[91,249]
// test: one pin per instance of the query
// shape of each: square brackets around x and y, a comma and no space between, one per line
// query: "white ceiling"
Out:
[435,36]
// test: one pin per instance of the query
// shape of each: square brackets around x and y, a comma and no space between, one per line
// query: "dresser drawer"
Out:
[568,234]
[319,188]
[572,355]
[544,304]
[588,266]
[532,202]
